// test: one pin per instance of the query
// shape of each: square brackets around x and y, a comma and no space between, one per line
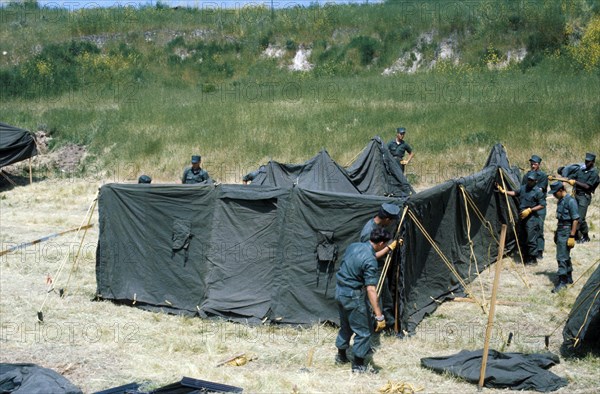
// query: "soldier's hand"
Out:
[571,242]
[551,178]
[572,182]
[404,162]
[501,189]
[392,245]
[380,320]
[524,213]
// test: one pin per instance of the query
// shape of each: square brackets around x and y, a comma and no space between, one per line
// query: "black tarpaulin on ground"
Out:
[33,379]
[184,386]
[318,173]
[376,172]
[247,253]
[15,145]
[516,371]
[582,329]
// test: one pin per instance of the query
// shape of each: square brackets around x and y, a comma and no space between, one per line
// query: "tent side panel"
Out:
[153,244]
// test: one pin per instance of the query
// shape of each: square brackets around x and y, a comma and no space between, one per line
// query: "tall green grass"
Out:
[148,98]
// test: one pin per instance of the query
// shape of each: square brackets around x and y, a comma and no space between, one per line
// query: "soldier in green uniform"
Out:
[356,286]
[567,215]
[531,201]
[387,215]
[542,183]
[584,180]
[195,174]
[398,147]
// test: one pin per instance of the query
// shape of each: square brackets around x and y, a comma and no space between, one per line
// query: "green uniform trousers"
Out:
[354,318]
[563,253]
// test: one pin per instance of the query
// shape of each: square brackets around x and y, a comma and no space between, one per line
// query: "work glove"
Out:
[501,189]
[571,242]
[392,245]
[572,182]
[380,323]
[524,213]
[404,162]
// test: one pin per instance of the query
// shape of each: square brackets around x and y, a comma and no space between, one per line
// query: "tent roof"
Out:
[15,145]
[376,172]
[318,173]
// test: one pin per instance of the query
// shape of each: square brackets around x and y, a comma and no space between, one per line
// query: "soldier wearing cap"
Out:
[195,174]
[568,217]
[252,175]
[356,287]
[531,201]
[584,180]
[144,179]
[542,183]
[385,218]
[398,147]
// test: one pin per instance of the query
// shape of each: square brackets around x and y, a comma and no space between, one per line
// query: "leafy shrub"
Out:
[367,48]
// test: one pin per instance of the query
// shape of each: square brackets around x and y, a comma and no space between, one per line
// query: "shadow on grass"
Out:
[9,181]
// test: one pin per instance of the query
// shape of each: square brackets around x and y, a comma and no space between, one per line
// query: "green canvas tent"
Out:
[582,329]
[15,145]
[250,253]
[376,171]
[318,173]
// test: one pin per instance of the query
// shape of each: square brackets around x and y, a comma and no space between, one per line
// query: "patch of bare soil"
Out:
[65,159]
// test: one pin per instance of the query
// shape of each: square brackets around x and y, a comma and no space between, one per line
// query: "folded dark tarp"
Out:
[185,386]
[516,371]
[15,145]
[33,379]
[193,386]
[582,329]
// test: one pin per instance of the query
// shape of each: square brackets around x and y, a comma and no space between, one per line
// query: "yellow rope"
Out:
[75,259]
[587,315]
[514,228]
[472,257]
[479,214]
[575,307]
[388,258]
[444,258]
[62,264]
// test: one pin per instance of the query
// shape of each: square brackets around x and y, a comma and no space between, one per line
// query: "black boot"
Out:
[358,366]
[341,357]
[562,283]
[570,278]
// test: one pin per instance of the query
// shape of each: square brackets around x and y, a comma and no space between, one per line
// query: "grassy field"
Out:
[98,345]
[166,84]
[144,89]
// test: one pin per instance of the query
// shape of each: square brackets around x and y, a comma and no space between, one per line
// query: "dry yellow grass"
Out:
[98,345]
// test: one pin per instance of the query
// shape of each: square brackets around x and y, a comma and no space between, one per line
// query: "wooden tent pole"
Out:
[30,176]
[488,329]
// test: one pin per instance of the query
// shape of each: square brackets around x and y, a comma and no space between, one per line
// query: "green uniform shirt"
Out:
[566,209]
[529,198]
[589,177]
[359,267]
[398,149]
[191,176]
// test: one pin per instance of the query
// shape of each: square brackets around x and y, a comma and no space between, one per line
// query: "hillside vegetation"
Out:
[145,88]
